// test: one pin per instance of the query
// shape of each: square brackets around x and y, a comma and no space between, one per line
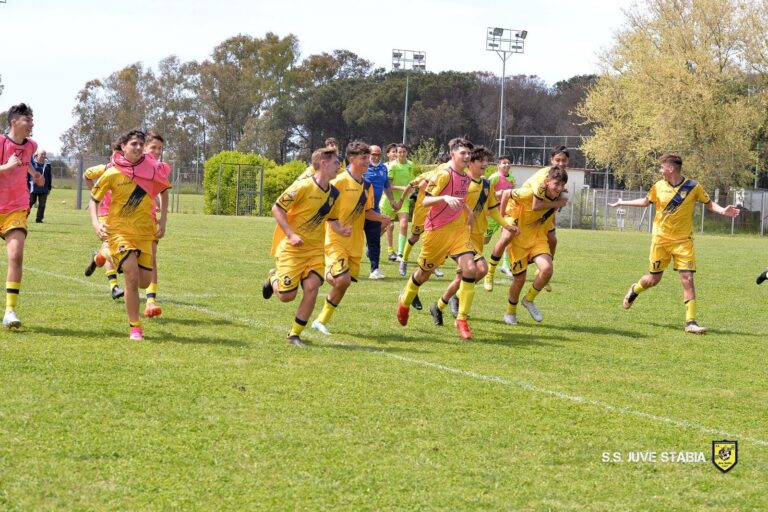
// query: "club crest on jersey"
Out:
[725,455]
[683,194]
[287,281]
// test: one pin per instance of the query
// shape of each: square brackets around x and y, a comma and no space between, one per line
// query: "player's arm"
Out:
[390,195]
[641,202]
[281,217]
[339,228]
[163,214]
[495,214]
[540,203]
[99,227]
[12,163]
[728,211]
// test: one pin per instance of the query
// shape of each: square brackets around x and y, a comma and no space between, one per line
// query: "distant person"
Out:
[376,175]
[675,198]
[39,194]
[400,174]
[16,152]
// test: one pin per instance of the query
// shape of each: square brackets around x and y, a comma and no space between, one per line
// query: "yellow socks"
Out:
[690,310]
[327,312]
[511,308]
[411,290]
[465,294]
[532,293]
[297,327]
[11,294]
[151,293]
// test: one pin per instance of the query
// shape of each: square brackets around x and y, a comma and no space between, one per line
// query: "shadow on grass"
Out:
[679,328]
[165,337]
[196,321]
[84,333]
[592,329]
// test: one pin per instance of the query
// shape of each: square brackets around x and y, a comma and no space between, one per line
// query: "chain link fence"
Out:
[588,209]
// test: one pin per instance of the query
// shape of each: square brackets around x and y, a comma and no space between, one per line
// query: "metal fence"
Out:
[535,149]
[240,189]
[588,209]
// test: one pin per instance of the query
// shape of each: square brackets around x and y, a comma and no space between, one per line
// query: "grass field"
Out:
[215,412]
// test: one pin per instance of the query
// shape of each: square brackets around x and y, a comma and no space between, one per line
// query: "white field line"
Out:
[527,386]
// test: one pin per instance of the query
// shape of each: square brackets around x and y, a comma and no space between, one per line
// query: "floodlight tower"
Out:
[408,61]
[505,42]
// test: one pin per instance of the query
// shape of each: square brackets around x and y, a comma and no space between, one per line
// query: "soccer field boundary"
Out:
[526,386]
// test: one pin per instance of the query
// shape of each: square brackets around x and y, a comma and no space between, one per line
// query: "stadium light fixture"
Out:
[408,61]
[504,42]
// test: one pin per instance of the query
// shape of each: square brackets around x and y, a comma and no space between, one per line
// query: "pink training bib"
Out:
[14,189]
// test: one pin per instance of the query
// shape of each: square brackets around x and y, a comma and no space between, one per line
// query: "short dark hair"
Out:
[401,145]
[153,135]
[480,153]
[17,111]
[505,157]
[390,146]
[331,140]
[672,159]
[557,173]
[460,142]
[357,148]
[559,149]
[125,137]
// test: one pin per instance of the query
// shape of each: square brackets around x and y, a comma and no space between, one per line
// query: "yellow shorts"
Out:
[477,239]
[682,252]
[13,220]
[292,269]
[419,216]
[120,247]
[438,244]
[338,261]
[522,256]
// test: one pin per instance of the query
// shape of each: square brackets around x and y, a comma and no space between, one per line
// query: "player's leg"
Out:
[552,242]
[373,242]
[466,292]
[310,286]
[339,275]
[496,254]
[544,270]
[133,275]
[152,309]
[689,296]
[402,237]
[513,297]
[437,308]
[14,245]
[111,273]
[659,259]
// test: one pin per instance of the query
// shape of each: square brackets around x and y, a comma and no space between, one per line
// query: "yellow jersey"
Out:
[307,207]
[355,198]
[674,209]
[130,212]
[533,224]
[481,198]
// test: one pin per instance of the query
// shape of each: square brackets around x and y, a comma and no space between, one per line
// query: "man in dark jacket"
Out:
[40,191]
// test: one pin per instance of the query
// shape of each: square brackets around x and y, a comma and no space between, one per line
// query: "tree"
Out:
[676,80]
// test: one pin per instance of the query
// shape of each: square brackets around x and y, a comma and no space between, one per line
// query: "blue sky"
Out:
[55,47]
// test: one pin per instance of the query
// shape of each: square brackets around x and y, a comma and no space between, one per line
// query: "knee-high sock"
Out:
[408,249]
[327,312]
[532,293]
[151,293]
[411,290]
[401,239]
[465,294]
[493,262]
[511,307]
[690,310]
[297,327]
[12,290]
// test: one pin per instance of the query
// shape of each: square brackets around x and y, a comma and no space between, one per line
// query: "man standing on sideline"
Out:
[16,151]
[675,198]
[376,175]
[40,192]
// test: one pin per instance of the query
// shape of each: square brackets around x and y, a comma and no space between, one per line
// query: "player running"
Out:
[297,244]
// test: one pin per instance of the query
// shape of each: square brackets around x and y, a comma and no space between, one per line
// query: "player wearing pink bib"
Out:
[16,153]
[446,234]
[154,147]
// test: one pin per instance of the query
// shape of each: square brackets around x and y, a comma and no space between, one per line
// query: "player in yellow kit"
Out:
[297,244]
[482,201]
[343,253]
[675,198]
[531,211]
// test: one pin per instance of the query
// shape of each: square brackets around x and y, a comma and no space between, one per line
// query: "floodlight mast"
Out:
[408,61]
[504,41]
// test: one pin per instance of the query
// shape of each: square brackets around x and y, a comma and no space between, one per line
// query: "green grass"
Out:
[215,412]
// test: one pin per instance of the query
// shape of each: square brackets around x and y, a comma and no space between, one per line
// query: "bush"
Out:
[250,167]
[276,180]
